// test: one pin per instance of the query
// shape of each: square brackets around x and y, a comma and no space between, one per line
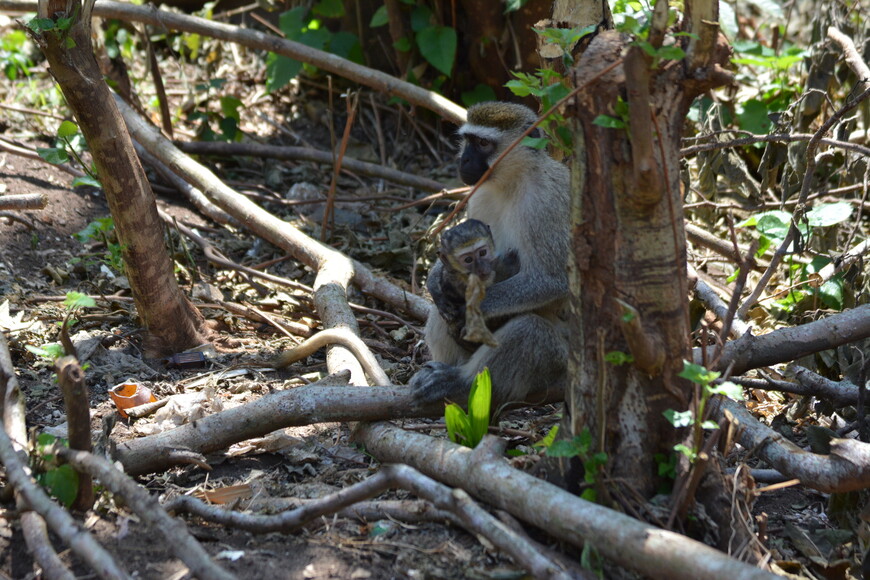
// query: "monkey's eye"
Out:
[483,253]
[468,259]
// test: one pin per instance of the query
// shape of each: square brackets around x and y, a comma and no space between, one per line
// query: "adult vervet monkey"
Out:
[525,201]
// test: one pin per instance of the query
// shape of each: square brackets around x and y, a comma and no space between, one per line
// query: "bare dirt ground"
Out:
[36,266]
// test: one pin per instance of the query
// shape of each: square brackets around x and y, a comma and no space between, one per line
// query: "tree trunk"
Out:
[629,285]
[172,321]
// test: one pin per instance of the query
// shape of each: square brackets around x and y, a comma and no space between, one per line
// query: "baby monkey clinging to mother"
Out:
[471,265]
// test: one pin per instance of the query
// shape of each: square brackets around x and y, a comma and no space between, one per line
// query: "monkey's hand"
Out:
[508,265]
[475,326]
[437,381]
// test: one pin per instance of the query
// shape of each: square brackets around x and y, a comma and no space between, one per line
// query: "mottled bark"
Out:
[171,320]
[629,285]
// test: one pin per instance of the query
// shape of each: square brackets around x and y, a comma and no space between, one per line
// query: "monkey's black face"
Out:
[474,160]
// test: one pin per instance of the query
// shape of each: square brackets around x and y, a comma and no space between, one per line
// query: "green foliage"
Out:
[618,358]
[772,228]
[550,87]
[434,42]
[61,481]
[704,378]
[51,351]
[437,45]
[71,142]
[14,57]
[307,27]
[103,230]
[76,300]
[776,90]
[478,94]
[469,429]
[565,39]
[580,446]
[619,121]
[118,40]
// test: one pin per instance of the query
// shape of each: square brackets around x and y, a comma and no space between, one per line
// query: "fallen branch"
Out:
[846,468]
[474,518]
[58,519]
[140,502]
[332,336]
[23,201]
[483,472]
[839,394]
[298,406]
[308,154]
[787,344]
[14,422]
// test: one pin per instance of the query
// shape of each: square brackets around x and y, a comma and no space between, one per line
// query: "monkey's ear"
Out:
[536,133]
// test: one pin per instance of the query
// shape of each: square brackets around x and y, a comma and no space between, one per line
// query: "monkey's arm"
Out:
[524,292]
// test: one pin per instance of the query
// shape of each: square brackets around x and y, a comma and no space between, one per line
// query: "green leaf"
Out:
[589,494]
[535,142]
[609,122]
[709,425]
[752,116]
[437,45]
[479,402]
[774,225]
[697,373]
[729,389]
[548,440]
[764,244]
[67,129]
[346,45]
[292,22]
[50,351]
[829,214]
[687,451]
[230,106]
[671,52]
[421,17]
[88,181]
[832,293]
[618,358]
[280,70]
[62,482]
[78,300]
[584,440]
[329,8]
[403,44]
[380,17]
[563,449]
[53,155]
[458,425]
[679,418]
[519,88]
[40,24]
[479,94]
[94,229]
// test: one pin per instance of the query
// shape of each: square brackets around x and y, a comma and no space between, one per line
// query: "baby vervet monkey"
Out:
[526,202]
[470,266]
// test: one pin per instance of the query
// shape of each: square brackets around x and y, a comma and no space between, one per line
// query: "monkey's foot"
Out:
[437,381]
